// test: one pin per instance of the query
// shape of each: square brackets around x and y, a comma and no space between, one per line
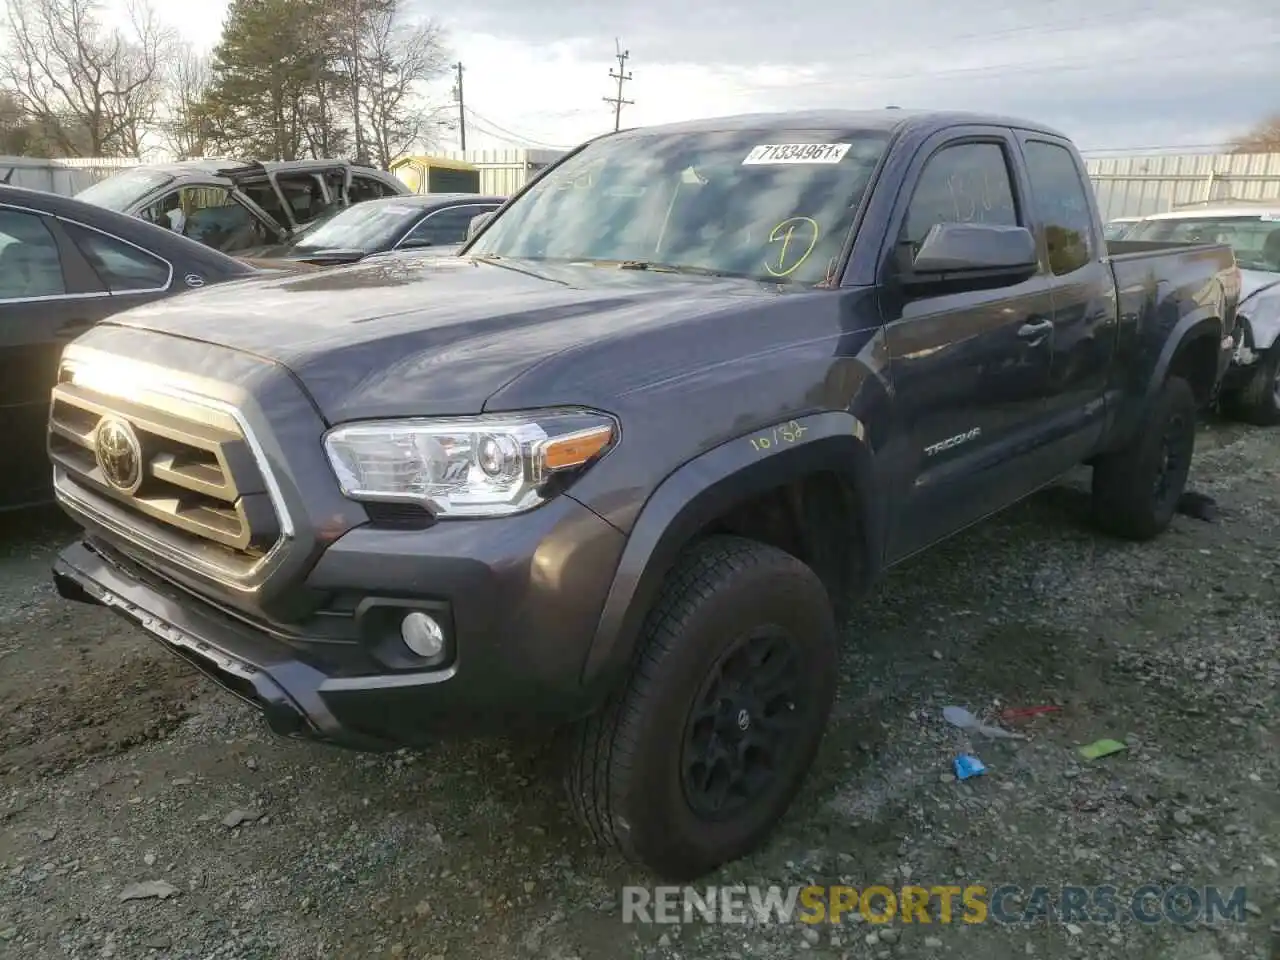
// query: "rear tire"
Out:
[1258,400]
[1136,490]
[736,666]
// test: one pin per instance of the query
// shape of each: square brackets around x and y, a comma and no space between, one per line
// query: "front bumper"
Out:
[519,633]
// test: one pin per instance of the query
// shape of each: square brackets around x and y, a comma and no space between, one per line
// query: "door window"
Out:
[1062,204]
[365,188]
[445,226]
[30,265]
[214,217]
[304,194]
[177,209]
[964,183]
[122,267]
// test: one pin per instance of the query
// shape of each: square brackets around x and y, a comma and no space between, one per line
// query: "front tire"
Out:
[1136,490]
[700,754]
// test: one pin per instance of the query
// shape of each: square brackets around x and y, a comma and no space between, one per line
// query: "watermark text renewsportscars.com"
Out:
[976,903]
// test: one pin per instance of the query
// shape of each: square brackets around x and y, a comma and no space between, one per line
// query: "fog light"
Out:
[423,635]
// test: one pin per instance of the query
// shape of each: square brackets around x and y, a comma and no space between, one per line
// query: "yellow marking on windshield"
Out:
[785,232]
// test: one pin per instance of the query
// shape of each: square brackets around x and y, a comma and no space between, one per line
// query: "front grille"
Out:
[197,489]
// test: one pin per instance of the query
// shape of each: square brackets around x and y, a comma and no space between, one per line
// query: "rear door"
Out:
[48,296]
[1083,294]
[970,364]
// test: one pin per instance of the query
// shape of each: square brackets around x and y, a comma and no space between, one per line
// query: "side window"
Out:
[190,210]
[263,194]
[445,226]
[304,195]
[29,262]
[965,183]
[1062,204]
[123,267]
[225,225]
[365,188]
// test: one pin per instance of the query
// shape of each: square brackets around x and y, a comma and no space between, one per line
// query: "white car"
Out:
[1251,387]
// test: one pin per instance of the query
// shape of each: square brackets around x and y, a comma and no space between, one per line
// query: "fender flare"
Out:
[1186,330]
[705,488]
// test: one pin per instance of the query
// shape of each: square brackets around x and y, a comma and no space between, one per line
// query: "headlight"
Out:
[484,466]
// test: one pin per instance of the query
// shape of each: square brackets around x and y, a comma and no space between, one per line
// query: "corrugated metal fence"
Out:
[66,177]
[503,172]
[1139,186]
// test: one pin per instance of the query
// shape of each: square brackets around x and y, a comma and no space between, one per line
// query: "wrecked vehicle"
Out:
[620,468]
[238,206]
[1251,388]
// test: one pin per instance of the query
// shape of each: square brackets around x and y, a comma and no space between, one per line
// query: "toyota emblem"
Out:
[194,280]
[119,454]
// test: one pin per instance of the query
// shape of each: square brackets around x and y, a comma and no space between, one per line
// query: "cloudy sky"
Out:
[1114,74]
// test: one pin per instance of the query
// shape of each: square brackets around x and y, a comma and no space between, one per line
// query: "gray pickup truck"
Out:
[621,467]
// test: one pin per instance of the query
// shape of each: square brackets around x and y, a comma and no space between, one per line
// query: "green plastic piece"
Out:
[1101,748]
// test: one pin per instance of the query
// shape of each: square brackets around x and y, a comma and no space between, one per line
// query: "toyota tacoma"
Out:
[620,468]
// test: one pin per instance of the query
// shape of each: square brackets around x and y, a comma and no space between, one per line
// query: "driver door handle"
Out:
[1034,331]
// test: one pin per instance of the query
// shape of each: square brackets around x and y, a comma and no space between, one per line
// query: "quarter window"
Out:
[122,267]
[965,183]
[29,262]
[1062,203]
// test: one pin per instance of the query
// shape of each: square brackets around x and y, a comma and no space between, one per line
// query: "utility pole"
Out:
[622,77]
[462,109]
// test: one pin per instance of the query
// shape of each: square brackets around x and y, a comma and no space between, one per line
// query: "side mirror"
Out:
[477,223]
[966,248]
[414,243]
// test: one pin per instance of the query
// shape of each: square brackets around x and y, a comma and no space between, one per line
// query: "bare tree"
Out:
[1264,138]
[91,90]
[397,60]
[185,127]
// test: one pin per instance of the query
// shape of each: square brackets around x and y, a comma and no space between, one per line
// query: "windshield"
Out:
[368,227]
[122,191]
[1255,239]
[772,205]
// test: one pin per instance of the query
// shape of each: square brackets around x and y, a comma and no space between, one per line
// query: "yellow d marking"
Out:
[785,231]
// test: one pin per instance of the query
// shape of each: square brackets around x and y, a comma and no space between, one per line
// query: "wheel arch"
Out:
[738,487]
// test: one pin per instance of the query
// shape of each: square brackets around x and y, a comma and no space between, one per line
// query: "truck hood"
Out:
[406,336]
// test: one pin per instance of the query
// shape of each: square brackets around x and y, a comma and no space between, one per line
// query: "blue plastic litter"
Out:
[968,766]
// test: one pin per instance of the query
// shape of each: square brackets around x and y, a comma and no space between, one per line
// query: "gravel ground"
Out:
[120,766]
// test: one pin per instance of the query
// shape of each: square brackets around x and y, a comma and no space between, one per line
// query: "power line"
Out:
[622,76]
[510,136]
[462,110]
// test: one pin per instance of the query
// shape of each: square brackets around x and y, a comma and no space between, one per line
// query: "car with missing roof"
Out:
[431,222]
[237,206]
[622,467]
[1251,388]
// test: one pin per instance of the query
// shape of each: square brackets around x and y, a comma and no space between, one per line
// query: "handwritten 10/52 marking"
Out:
[783,433]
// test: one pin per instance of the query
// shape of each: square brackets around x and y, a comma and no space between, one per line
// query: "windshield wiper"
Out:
[654,267]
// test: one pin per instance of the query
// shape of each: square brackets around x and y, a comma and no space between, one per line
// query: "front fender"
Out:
[1261,316]
[706,488]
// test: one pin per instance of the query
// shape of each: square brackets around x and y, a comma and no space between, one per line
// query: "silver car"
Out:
[235,206]
[1251,388]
